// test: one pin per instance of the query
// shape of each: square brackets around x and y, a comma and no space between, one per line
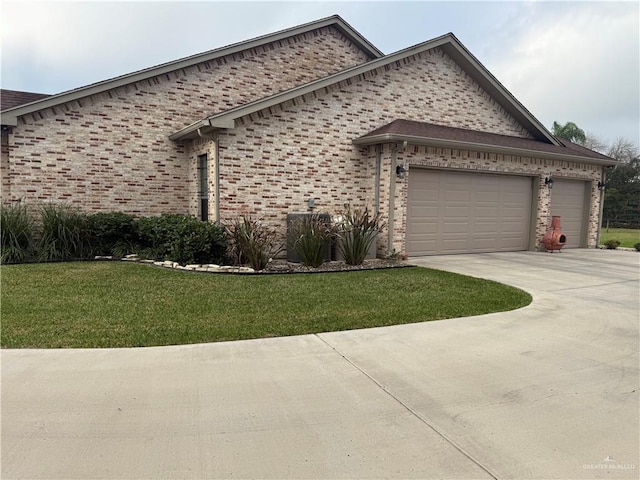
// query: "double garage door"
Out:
[459,212]
[454,212]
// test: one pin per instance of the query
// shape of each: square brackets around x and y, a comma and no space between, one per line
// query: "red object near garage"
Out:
[554,239]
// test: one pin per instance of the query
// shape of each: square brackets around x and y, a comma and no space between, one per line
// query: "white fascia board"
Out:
[9,120]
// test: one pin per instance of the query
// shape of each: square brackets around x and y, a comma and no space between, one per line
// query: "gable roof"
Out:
[11,115]
[420,133]
[448,43]
[15,98]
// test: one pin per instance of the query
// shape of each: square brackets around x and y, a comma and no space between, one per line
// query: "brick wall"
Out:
[111,151]
[5,191]
[275,160]
[464,160]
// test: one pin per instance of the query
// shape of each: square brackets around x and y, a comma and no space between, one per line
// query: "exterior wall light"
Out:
[401,172]
[548,182]
[601,186]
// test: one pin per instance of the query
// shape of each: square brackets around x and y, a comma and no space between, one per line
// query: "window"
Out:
[203,187]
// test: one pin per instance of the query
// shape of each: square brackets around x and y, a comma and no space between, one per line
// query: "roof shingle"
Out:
[15,98]
[423,132]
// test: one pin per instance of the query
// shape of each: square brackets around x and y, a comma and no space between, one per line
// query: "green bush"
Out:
[357,232]
[64,234]
[612,244]
[114,233]
[637,247]
[311,237]
[252,242]
[16,234]
[182,238]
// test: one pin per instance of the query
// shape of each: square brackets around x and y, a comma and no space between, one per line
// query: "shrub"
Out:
[16,234]
[182,238]
[64,234]
[253,242]
[357,232]
[113,233]
[311,237]
[612,244]
[637,247]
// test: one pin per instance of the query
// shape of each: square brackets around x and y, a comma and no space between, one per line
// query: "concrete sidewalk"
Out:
[547,391]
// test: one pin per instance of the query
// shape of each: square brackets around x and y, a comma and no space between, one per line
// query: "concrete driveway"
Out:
[547,391]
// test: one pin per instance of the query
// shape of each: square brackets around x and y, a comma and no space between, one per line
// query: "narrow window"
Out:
[203,190]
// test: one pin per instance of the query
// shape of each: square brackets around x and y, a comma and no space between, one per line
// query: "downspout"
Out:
[392,197]
[216,186]
[601,209]
[377,187]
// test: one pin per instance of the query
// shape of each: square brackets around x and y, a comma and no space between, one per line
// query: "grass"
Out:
[627,237]
[109,304]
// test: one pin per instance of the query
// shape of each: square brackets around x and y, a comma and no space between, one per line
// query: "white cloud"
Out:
[565,61]
[580,64]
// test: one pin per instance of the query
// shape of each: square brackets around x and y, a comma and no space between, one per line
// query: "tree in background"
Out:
[622,193]
[569,131]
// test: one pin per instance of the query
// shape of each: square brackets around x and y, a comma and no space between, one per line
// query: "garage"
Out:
[460,212]
[569,200]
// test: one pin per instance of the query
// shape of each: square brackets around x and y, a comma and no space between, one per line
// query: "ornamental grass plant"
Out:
[311,238]
[357,232]
[16,233]
[64,234]
[253,242]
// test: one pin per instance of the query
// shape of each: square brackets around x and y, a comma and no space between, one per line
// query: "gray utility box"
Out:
[292,218]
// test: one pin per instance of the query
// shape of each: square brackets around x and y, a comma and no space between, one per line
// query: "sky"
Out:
[563,60]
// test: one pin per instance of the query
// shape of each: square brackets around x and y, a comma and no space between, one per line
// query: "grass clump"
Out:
[357,232]
[16,233]
[63,234]
[105,304]
[311,238]
[253,242]
[612,244]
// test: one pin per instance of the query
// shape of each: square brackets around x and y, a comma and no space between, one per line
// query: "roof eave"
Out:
[9,120]
[450,44]
[165,68]
[278,98]
[444,143]
[492,85]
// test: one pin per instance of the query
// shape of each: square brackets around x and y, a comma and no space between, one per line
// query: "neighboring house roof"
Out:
[15,98]
[451,46]
[335,21]
[419,133]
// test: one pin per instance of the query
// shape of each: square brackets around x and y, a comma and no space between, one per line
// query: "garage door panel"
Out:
[473,212]
[568,202]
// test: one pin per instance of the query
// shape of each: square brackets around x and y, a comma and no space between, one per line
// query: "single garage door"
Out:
[455,212]
[568,200]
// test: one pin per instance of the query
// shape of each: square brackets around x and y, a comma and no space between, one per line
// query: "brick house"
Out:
[312,117]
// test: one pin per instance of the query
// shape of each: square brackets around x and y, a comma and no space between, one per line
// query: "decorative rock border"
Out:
[275,267]
[210,268]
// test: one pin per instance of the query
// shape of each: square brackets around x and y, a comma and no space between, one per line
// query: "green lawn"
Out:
[117,304]
[627,237]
